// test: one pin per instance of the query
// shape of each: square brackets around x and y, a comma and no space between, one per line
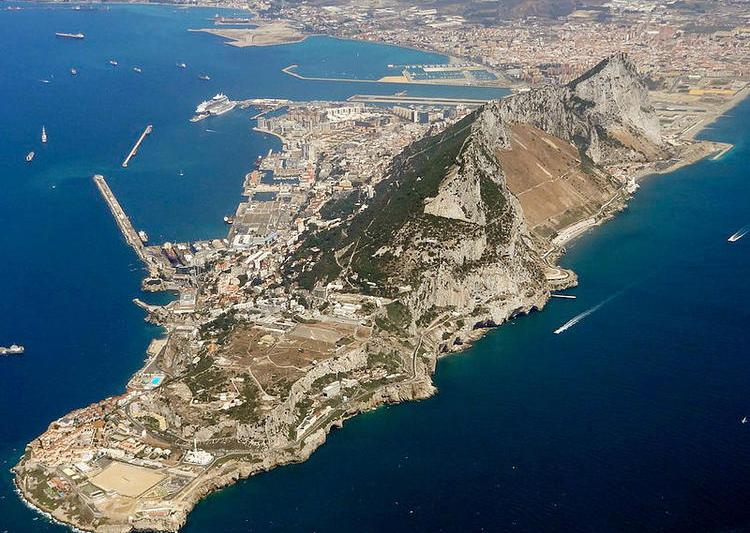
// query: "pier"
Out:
[123,222]
[137,145]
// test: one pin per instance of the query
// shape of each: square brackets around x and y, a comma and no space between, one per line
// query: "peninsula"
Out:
[336,291]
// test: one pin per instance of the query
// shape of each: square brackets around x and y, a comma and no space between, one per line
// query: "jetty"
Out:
[137,145]
[123,222]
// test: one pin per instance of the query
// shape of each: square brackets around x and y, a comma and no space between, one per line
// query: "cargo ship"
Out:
[78,35]
[13,349]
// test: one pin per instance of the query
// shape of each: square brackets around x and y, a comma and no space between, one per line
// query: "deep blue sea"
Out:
[627,421]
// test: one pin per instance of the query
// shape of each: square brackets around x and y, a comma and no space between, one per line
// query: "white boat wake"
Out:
[739,234]
[576,319]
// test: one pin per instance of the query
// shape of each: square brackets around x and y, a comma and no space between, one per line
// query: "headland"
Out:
[321,301]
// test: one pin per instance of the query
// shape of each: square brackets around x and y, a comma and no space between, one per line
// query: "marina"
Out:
[137,145]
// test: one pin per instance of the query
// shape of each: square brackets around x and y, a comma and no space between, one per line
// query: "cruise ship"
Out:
[218,105]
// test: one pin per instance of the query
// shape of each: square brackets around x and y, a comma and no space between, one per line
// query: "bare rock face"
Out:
[602,112]
[619,96]
[446,224]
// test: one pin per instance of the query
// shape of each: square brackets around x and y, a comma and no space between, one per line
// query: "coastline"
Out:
[702,149]
[234,464]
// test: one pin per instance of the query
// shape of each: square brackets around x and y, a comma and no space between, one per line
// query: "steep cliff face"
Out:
[459,223]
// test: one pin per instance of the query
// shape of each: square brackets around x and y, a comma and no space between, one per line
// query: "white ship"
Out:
[44,135]
[14,349]
[113,62]
[29,157]
[78,35]
[181,65]
[137,69]
[143,236]
[218,105]
[73,72]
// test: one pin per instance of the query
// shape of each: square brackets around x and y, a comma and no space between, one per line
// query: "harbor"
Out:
[137,145]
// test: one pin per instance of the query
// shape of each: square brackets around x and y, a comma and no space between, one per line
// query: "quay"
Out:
[418,100]
[137,145]
[123,222]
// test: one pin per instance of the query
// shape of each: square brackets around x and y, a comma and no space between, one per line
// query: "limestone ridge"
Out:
[447,231]
[594,111]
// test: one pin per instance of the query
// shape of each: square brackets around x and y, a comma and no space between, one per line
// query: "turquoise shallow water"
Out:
[628,421]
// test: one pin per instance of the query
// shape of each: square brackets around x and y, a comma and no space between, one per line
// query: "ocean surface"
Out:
[627,421]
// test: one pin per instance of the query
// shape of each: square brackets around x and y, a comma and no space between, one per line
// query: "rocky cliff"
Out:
[460,222]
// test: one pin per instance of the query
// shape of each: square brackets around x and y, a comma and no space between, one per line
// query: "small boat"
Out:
[182,173]
[44,135]
[29,157]
[228,220]
[204,77]
[181,65]
[73,72]
[143,236]
[78,35]
[137,69]
[113,62]
[13,349]
[45,81]
[744,420]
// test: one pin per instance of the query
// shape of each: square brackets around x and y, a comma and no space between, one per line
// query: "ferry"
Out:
[78,35]
[204,77]
[181,65]
[13,349]
[137,69]
[44,135]
[73,72]
[113,62]
[29,157]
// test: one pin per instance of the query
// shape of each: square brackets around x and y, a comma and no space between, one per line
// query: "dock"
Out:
[137,145]
[123,222]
